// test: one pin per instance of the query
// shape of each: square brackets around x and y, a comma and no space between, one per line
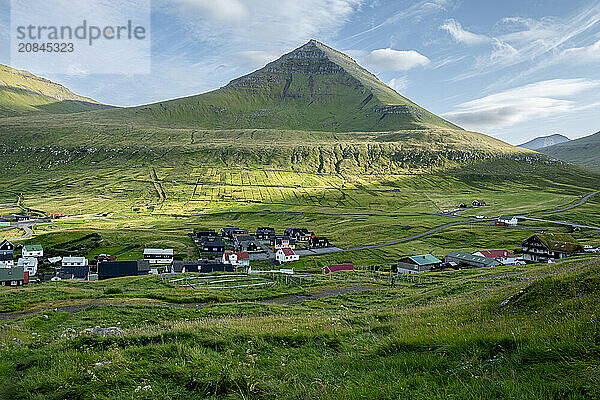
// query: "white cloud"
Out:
[399,84]
[460,35]
[582,55]
[274,23]
[507,108]
[395,60]
[255,58]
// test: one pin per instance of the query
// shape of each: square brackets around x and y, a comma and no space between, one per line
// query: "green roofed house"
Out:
[466,260]
[14,276]
[543,247]
[33,250]
[416,264]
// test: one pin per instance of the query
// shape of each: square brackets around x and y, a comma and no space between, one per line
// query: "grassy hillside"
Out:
[441,335]
[584,152]
[23,93]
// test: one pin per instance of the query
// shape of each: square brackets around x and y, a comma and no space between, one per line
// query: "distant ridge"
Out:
[584,152]
[545,141]
[21,92]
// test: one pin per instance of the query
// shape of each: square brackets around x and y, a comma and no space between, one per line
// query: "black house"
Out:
[201,234]
[230,233]
[316,242]
[115,269]
[300,234]
[265,233]
[202,266]
[7,247]
[245,243]
[212,244]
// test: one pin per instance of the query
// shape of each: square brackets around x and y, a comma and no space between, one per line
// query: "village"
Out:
[235,249]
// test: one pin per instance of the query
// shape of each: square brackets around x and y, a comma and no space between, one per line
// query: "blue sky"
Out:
[511,69]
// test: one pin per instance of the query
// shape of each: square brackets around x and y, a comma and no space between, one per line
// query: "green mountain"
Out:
[311,88]
[584,152]
[24,93]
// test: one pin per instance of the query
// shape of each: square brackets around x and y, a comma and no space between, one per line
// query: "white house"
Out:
[286,255]
[33,250]
[159,256]
[29,264]
[504,257]
[6,261]
[74,262]
[239,259]
[508,220]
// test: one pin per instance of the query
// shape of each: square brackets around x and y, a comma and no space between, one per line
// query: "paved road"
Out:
[561,223]
[27,227]
[583,200]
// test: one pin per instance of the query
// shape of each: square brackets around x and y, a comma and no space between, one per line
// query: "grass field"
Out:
[443,335]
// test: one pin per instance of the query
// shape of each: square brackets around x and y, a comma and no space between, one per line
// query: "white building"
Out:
[7,261]
[159,256]
[238,259]
[33,250]
[74,262]
[508,220]
[29,264]
[286,255]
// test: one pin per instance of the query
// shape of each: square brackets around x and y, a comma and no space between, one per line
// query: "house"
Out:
[230,233]
[477,203]
[507,220]
[300,234]
[14,276]
[281,242]
[115,269]
[7,261]
[202,266]
[29,264]
[286,255]
[239,259]
[466,260]
[316,242]
[415,264]
[504,257]
[245,243]
[74,262]
[105,258]
[7,247]
[32,250]
[75,273]
[543,247]
[265,233]
[212,244]
[201,234]
[329,269]
[159,257]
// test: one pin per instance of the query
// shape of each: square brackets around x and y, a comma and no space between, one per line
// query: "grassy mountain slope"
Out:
[23,93]
[584,152]
[311,88]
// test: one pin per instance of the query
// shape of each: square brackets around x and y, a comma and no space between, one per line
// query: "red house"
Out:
[329,269]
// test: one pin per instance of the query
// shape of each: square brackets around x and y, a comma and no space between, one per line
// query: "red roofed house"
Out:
[504,257]
[329,269]
[239,259]
[286,255]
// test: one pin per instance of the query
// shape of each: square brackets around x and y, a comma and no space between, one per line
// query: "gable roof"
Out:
[559,242]
[425,259]
[287,251]
[497,253]
[241,255]
[77,272]
[339,267]
[506,217]
[6,245]
[471,258]
[12,274]
[32,247]
[168,252]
